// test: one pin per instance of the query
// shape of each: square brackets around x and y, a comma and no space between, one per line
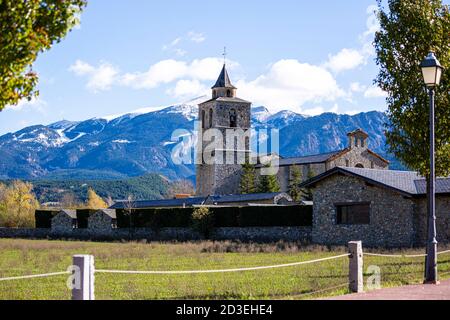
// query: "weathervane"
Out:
[224,55]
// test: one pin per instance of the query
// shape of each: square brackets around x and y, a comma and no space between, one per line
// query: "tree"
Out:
[69,201]
[94,201]
[307,192]
[294,184]
[17,205]
[409,30]
[248,179]
[180,187]
[28,28]
[268,183]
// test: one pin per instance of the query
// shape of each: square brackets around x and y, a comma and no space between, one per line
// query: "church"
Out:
[227,115]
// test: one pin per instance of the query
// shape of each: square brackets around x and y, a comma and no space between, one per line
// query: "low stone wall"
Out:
[270,234]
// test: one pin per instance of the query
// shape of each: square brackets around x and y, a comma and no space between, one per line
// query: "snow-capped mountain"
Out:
[142,141]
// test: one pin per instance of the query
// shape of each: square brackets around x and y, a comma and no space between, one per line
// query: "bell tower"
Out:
[224,139]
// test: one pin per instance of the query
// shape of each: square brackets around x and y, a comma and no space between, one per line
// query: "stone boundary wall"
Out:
[269,234]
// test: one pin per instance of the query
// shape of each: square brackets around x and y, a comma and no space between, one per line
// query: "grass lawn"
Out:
[25,257]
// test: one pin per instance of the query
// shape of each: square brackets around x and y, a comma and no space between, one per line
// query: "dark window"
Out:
[210,118]
[203,120]
[233,118]
[358,213]
[359,165]
[228,93]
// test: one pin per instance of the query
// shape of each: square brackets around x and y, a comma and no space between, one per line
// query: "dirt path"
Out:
[416,292]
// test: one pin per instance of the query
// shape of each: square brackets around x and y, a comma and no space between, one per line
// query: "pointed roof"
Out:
[224,80]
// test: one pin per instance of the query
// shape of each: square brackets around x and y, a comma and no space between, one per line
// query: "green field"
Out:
[25,257]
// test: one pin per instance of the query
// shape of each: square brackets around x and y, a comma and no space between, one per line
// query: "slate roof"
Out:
[70,213]
[224,80]
[406,182]
[227,99]
[109,212]
[318,158]
[189,202]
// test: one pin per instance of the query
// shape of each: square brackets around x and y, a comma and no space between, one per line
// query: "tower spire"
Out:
[224,55]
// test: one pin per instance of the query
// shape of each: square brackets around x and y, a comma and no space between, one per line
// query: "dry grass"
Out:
[21,257]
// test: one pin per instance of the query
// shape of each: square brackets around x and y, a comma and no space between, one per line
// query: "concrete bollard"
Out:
[84,288]
[356,280]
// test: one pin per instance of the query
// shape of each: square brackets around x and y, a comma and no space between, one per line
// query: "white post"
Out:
[356,280]
[85,288]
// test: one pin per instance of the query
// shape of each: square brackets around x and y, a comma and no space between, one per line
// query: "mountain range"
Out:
[137,143]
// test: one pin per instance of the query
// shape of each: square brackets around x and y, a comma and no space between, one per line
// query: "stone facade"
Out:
[442,219]
[224,141]
[357,154]
[103,220]
[64,221]
[391,214]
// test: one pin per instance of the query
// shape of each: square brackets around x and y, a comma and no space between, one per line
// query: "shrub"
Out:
[203,221]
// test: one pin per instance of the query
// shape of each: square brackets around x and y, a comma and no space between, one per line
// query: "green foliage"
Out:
[203,221]
[268,183]
[248,179]
[409,30]
[28,28]
[294,184]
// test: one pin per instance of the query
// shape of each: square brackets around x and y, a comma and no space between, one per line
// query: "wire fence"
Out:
[87,269]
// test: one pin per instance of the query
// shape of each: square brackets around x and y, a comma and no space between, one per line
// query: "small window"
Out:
[210,118]
[203,119]
[347,163]
[228,93]
[372,164]
[359,165]
[353,214]
[233,118]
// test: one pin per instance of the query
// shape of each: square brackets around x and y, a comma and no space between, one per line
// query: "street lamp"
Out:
[431,71]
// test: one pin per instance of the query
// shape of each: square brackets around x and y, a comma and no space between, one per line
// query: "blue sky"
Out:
[306,56]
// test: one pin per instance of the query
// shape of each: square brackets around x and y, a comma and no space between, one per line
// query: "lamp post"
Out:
[431,71]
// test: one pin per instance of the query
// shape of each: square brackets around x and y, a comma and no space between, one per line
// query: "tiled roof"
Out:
[109,212]
[408,182]
[189,202]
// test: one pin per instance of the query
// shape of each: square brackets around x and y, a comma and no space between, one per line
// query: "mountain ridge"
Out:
[135,143]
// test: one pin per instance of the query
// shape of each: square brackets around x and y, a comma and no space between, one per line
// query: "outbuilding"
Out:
[380,207]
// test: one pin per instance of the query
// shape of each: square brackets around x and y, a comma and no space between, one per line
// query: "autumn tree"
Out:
[410,29]
[180,187]
[28,28]
[94,201]
[248,179]
[17,205]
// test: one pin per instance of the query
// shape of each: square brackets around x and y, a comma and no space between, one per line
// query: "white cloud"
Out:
[357,87]
[100,78]
[35,103]
[291,84]
[188,88]
[167,71]
[196,37]
[346,59]
[375,92]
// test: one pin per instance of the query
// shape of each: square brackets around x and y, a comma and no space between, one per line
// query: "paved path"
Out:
[416,292]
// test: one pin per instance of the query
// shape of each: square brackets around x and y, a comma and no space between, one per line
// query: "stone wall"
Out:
[391,217]
[358,156]
[100,221]
[442,220]
[271,234]
[62,222]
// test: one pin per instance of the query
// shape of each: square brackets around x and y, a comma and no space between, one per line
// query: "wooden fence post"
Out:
[84,290]
[356,280]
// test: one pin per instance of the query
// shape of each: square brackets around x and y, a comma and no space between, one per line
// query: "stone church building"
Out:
[229,115]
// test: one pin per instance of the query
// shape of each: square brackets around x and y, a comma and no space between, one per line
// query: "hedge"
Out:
[43,218]
[277,216]
[289,216]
